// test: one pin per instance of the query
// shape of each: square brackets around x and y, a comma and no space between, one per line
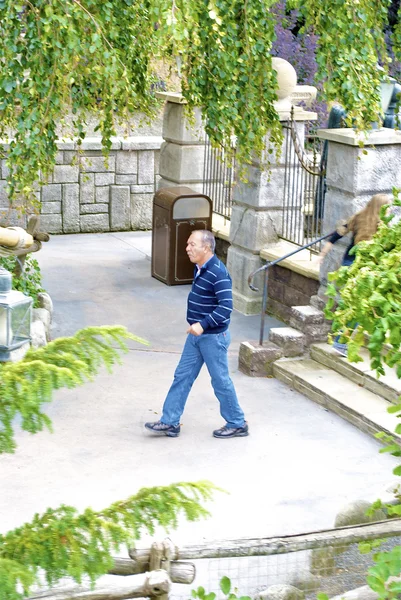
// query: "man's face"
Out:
[196,250]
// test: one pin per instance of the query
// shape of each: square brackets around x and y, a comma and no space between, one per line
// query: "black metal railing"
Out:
[218,179]
[304,187]
[266,279]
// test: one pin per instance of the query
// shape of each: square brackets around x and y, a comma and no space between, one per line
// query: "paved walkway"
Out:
[297,468]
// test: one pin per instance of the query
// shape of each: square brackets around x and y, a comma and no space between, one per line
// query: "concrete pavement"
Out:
[297,468]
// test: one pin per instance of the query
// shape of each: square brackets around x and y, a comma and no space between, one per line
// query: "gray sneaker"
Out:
[163,429]
[229,432]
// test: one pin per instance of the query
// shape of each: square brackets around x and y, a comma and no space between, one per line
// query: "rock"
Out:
[280,592]
[38,334]
[305,580]
[355,513]
[43,315]
[46,302]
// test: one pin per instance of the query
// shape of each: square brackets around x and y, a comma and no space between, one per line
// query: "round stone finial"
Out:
[287,81]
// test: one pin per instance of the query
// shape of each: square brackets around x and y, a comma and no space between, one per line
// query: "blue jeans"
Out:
[212,350]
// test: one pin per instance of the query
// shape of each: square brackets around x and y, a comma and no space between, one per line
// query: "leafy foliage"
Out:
[62,542]
[30,281]
[370,297]
[99,57]
[66,362]
[225,586]
[369,301]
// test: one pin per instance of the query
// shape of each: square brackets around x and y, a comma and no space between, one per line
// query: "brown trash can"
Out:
[177,211]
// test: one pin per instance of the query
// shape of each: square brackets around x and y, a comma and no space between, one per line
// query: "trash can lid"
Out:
[166,197]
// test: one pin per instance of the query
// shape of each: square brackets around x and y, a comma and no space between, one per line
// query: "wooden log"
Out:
[155,583]
[180,572]
[280,545]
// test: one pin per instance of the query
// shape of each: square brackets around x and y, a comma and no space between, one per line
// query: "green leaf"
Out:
[225,585]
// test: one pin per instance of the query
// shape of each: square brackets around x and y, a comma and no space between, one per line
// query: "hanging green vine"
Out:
[66,362]
[350,45]
[63,542]
[99,58]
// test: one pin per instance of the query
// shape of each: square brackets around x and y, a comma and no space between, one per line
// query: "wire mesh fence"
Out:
[327,562]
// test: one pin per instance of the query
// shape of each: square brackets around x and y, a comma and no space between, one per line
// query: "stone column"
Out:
[256,220]
[182,154]
[358,167]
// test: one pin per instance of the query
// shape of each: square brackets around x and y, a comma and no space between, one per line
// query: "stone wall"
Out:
[286,289]
[88,193]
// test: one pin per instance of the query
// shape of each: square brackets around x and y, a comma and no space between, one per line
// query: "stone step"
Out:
[320,383]
[291,340]
[311,322]
[388,386]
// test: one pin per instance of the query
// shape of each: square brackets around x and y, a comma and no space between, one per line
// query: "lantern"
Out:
[15,317]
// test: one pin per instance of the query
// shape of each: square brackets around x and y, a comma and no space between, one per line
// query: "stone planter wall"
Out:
[87,193]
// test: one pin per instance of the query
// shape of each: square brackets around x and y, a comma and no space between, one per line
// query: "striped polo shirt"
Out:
[210,301]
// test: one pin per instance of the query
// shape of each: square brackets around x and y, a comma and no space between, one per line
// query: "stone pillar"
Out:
[358,167]
[256,220]
[182,154]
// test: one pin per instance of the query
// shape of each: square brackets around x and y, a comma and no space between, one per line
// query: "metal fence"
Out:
[304,187]
[327,561]
[218,179]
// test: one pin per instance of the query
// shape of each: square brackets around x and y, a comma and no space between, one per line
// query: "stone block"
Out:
[95,143]
[59,158]
[291,341]
[99,164]
[66,144]
[48,208]
[70,157]
[251,229]
[308,315]
[262,189]
[163,182]
[91,209]
[65,174]
[377,171]
[5,171]
[95,223]
[104,179]
[293,297]
[127,163]
[240,263]
[3,194]
[304,284]
[102,194]
[51,223]
[146,142]
[157,161]
[141,211]
[280,274]
[119,208]
[51,193]
[182,164]
[146,167]
[279,310]
[143,189]
[257,361]
[70,208]
[87,188]
[176,127]
[275,290]
[126,179]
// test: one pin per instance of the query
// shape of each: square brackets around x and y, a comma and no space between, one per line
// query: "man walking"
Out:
[208,314]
